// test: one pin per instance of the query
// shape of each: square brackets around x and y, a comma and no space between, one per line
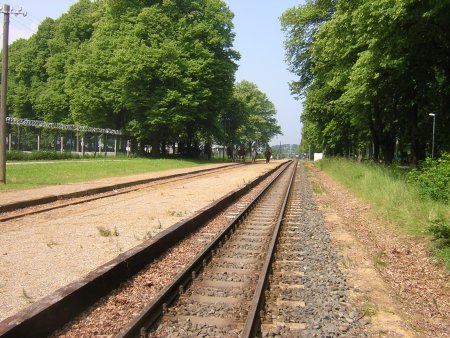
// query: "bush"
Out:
[432,178]
[441,230]
[39,155]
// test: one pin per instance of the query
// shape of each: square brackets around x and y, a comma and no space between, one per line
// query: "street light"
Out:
[434,132]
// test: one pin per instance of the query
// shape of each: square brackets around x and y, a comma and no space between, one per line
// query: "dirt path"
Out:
[393,280]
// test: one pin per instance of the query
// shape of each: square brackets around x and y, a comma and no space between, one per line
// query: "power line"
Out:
[34,19]
[31,30]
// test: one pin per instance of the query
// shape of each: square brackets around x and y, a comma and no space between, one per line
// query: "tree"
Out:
[257,114]
[164,74]
[27,74]
[300,24]
[370,73]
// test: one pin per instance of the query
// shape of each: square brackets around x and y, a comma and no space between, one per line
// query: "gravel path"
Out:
[393,278]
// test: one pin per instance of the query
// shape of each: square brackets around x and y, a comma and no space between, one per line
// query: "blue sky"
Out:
[258,39]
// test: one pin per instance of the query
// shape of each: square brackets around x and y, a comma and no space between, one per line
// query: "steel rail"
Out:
[99,193]
[140,326]
[253,319]
[53,311]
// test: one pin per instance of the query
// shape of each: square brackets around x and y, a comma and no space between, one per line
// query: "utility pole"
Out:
[6,10]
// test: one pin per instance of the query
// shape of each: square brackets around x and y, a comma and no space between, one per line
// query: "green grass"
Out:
[391,198]
[23,175]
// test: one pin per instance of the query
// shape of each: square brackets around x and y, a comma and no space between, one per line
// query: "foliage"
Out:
[40,155]
[368,77]
[432,178]
[257,114]
[441,231]
[162,71]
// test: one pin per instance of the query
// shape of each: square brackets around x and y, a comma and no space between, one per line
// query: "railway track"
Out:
[53,311]
[226,298]
[45,204]
[270,272]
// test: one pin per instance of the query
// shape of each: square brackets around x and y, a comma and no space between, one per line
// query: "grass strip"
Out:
[392,198]
[24,175]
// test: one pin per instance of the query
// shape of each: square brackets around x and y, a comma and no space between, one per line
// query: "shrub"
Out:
[441,231]
[15,155]
[432,178]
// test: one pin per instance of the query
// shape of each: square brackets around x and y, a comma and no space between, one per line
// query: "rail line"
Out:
[52,312]
[226,299]
[270,272]
[10,212]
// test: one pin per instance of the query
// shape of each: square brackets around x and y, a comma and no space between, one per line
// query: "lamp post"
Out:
[434,132]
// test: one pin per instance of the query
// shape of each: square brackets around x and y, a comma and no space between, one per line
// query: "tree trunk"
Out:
[415,143]
[388,147]
[374,126]
[155,147]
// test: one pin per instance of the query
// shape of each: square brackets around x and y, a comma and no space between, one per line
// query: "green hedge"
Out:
[41,155]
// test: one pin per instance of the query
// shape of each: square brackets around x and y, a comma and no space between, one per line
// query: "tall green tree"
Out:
[27,75]
[257,118]
[372,74]
[38,65]
[162,71]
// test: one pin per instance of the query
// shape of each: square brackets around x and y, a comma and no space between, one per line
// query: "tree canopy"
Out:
[371,72]
[163,71]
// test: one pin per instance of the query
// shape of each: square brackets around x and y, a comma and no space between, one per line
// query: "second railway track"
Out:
[19,209]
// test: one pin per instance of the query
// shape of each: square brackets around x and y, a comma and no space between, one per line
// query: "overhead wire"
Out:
[15,21]
[26,25]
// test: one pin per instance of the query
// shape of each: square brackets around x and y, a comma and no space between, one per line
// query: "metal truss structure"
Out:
[60,126]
